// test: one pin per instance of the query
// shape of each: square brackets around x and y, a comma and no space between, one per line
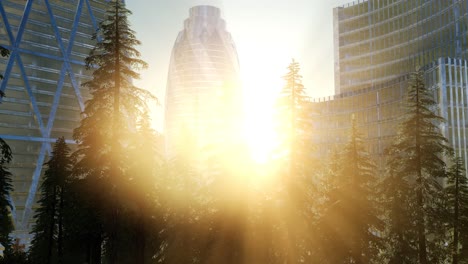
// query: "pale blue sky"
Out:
[267,33]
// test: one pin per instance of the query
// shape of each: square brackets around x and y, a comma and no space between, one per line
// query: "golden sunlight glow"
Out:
[262,81]
[259,123]
[259,132]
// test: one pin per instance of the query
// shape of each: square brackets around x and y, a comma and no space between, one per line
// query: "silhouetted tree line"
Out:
[114,198]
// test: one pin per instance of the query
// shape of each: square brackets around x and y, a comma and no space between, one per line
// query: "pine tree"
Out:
[6,187]
[420,148]
[294,110]
[400,235]
[16,254]
[457,193]
[47,243]
[144,187]
[82,233]
[4,53]
[108,123]
[351,220]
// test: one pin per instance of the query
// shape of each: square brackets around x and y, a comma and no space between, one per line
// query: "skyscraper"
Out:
[48,41]
[203,94]
[380,40]
[377,44]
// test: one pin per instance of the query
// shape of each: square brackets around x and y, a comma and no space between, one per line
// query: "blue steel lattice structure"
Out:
[48,41]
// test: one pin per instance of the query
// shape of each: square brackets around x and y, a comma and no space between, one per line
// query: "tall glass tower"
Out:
[48,41]
[377,41]
[203,94]
[377,44]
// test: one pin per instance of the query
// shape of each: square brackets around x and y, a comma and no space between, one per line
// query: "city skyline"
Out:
[250,168]
[288,30]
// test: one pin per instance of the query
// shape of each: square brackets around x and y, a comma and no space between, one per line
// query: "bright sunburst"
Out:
[259,125]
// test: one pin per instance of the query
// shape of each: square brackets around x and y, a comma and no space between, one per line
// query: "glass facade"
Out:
[203,96]
[379,40]
[450,77]
[377,44]
[48,40]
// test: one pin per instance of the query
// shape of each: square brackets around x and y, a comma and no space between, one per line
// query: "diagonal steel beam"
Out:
[66,53]
[34,184]
[93,19]
[14,42]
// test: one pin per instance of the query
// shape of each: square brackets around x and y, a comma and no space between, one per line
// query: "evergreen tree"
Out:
[351,220]
[457,193]
[294,110]
[419,158]
[144,187]
[47,243]
[108,123]
[15,255]
[82,234]
[6,187]
[400,231]
[4,53]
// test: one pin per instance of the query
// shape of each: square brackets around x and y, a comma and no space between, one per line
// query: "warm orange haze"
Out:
[248,162]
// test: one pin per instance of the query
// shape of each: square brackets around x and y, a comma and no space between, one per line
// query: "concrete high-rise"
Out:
[48,41]
[203,94]
[377,44]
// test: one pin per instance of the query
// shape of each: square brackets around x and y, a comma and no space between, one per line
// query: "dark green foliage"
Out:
[47,244]
[400,234]
[82,226]
[457,206]
[349,223]
[4,53]
[416,166]
[144,190]
[6,187]
[15,255]
[97,133]
[105,159]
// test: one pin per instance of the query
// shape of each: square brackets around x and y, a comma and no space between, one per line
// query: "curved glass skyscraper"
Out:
[48,41]
[203,92]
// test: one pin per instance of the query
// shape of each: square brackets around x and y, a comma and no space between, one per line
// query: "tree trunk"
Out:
[455,218]
[421,230]
[115,145]
[60,229]
[51,226]
[141,237]
[419,181]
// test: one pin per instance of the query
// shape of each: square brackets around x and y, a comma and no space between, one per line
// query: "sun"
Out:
[259,133]
[259,123]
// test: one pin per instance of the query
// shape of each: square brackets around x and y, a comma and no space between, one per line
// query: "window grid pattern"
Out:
[203,95]
[378,40]
[48,41]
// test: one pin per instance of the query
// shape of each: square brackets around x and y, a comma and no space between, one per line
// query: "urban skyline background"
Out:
[300,29]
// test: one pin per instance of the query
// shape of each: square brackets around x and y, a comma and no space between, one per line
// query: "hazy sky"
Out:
[267,33]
